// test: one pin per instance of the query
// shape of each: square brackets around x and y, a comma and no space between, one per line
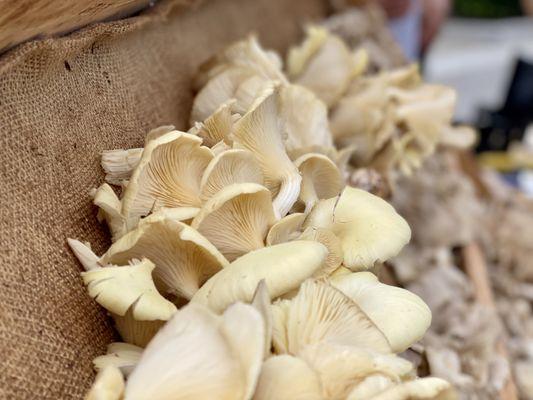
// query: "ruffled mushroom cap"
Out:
[260,131]
[118,165]
[306,118]
[320,313]
[286,377]
[283,267]
[124,356]
[331,242]
[181,214]
[236,220]
[261,302]
[286,229]
[227,168]
[370,387]
[217,127]
[168,175]
[184,258]
[419,389]
[321,179]
[130,295]
[401,315]
[199,355]
[108,385]
[323,64]
[369,228]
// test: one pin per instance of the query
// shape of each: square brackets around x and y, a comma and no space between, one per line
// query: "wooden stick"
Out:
[476,269]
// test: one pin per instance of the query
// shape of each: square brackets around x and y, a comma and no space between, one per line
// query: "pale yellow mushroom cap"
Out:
[286,377]
[217,127]
[227,168]
[369,228]
[419,389]
[261,302]
[184,258]
[199,355]
[168,175]
[286,229]
[321,313]
[400,314]
[332,243]
[124,356]
[236,220]
[260,131]
[283,267]
[321,179]
[108,385]
[110,210]
[119,164]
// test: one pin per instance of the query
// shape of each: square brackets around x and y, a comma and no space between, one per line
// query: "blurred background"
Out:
[484,49]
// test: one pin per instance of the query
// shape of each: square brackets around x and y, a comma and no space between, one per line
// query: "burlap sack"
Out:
[62,101]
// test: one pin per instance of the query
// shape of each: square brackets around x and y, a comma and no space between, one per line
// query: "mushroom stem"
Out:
[287,195]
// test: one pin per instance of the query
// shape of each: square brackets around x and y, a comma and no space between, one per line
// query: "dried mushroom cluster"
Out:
[239,267]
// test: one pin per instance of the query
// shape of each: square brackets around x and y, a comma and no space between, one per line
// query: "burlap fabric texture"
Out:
[62,101]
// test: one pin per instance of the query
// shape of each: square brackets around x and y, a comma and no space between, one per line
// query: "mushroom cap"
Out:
[285,377]
[219,356]
[286,229]
[261,302]
[168,175]
[236,220]
[110,210]
[370,387]
[184,258]
[400,314]
[283,267]
[332,243]
[218,126]
[108,385]
[118,289]
[119,164]
[260,131]
[320,313]
[369,228]
[181,214]
[328,65]
[418,389]
[306,118]
[227,168]
[321,179]
[124,356]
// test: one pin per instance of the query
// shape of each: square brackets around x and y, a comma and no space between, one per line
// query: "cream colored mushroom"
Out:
[236,220]
[110,210]
[168,175]
[418,389]
[306,118]
[321,313]
[370,387]
[218,126]
[286,229]
[108,385]
[331,242]
[184,258]
[286,377]
[283,267]
[199,355]
[227,168]
[260,131]
[130,295]
[401,315]
[321,179]
[181,214]
[261,302]
[118,165]
[369,228]
[124,356]
[324,64]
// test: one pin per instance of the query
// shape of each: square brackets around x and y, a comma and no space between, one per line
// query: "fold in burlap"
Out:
[62,101]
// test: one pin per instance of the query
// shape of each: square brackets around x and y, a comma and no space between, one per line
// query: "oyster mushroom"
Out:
[124,356]
[217,127]
[331,242]
[184,258]
[321,313]
[261,302]
[181,214]
[321,179]
[323,64]
[236,220]
[168,175]
[119,164]
[200,355]
[368,227]
[283,267]
[285,377]
[131,297]
[402,316]
[418,389]
[110,210]
[260,131]
[286,229]
[370,386]
[227,168]
[108,385]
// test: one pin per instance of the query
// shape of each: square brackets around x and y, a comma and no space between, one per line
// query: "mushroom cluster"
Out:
[241,262]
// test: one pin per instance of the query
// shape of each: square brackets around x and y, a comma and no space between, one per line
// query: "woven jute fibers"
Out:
[63,101]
